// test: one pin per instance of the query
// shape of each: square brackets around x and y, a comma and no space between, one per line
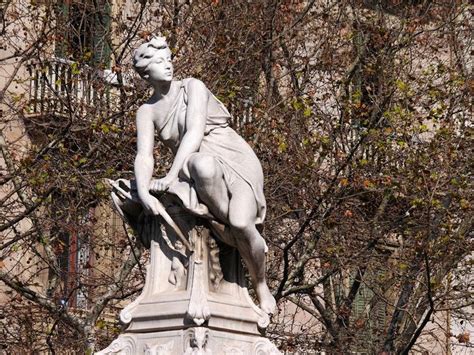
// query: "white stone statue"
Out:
[210,204]
[215,173]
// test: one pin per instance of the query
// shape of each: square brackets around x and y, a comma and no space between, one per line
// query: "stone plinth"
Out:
[194,340]
[192,302]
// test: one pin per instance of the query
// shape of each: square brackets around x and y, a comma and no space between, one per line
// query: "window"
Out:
[87,41]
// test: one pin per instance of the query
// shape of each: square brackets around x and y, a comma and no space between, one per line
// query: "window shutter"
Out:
[62,16]
[101,35]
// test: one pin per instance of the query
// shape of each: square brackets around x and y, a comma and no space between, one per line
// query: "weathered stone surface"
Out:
[195,340]
[192,303]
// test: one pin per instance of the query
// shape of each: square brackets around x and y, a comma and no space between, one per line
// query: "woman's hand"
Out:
[160,185]
[150,204]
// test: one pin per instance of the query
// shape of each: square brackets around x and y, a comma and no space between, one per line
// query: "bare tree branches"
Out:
[359,111]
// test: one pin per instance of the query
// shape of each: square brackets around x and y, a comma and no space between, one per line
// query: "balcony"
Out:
[66,90]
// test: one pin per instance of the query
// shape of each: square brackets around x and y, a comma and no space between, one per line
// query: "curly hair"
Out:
[145,54]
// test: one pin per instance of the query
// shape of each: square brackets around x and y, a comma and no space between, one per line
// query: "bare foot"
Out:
[267,301]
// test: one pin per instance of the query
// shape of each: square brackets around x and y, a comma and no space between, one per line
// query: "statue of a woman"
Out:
[214,172]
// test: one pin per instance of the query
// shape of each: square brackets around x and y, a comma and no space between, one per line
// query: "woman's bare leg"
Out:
[242,215]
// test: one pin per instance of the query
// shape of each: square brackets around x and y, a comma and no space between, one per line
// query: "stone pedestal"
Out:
[192,302]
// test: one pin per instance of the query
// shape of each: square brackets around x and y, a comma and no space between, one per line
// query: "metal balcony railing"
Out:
[65,88]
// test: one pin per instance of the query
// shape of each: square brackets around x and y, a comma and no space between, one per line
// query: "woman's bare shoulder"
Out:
[194,83]
[144,111]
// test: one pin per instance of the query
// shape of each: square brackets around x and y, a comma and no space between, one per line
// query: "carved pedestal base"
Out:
[192,303]
[196,340]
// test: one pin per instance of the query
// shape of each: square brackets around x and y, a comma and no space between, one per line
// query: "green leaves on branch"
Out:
[302,105]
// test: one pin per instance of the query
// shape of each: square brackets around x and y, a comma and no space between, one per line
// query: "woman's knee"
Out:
[241,222]
[243,208]
[203,167]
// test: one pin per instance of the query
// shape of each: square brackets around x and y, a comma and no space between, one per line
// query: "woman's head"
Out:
[152,60]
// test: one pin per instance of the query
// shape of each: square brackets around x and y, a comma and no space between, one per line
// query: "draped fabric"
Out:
[233,154]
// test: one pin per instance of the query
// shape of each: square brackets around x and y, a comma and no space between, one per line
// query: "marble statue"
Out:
[198,222]
[215,173]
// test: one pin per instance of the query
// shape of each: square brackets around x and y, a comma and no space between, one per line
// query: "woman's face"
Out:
[160,67]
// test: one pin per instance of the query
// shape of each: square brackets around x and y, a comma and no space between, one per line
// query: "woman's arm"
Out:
[196,115]
[144,161]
